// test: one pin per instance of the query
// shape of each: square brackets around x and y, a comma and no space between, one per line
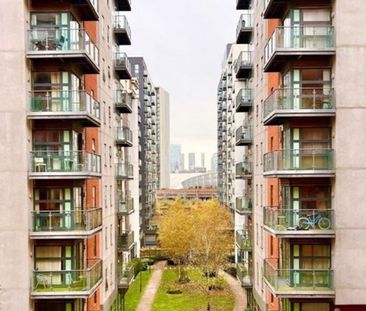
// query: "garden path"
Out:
[152,287]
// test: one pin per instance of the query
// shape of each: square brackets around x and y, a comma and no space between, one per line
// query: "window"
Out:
[105,154]
[110,236]
[106,237]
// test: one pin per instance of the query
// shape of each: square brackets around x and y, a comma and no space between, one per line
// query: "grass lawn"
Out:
[192,298]
[133,294]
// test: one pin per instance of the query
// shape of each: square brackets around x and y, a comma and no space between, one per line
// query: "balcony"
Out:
[125,241]
[287,103]
[243,170]
[243,4]
[64,165]
[67,283]
[275,8]
[299,163]
[124,170]
[123,5]
[55,224]
[244,274]
[244,30]
[122,66]
[291,43]
[243,240]
[244,205]
[123,101]
[301,223]
[83,10]
[123,137]
[125,206]
[296,283]
[126,276]
[244,65]
[244,100]
[63,46]
[122,30]
[76,106]
[244,136]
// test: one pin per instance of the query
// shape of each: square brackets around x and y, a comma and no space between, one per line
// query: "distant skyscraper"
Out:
[203,159]
[181,164]
[175,157]
[163,132]
[191,161]
[214,162]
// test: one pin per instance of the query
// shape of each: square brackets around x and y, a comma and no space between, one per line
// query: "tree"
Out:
[176,234]
[213,239]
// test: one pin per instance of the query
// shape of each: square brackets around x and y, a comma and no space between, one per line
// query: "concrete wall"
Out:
[106,97]
[350,141]
[16,203]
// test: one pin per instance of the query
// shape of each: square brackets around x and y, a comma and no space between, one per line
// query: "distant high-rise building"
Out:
[214,162]
[191,161]
[202,159]
[175,157]
[181,164]
[163,135]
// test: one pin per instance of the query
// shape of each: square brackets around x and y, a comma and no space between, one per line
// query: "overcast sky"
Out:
[183,43]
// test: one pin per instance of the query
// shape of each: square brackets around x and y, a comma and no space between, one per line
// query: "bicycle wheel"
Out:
[324,223]
[304,223]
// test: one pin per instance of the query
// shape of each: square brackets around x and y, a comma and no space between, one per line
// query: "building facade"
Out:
[148,143]
[303,249]
[68,230]
[163,136]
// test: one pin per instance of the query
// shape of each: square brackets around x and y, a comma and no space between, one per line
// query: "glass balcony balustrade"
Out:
[292,281]
[124,170]
[244,28]
[64,45]
[299,222]
[122,65]
[123,136]
[244,240]
[288,43]
[244,205]
[76,220]
[288,103]
[244,136]
[243,170]
[244,100]
[244,274]
[122,30]
[126,240]
[244,65]
[65,164]
[64,104]
[76,283]
[123,101]
[125,205]
[126,276]
[306,162]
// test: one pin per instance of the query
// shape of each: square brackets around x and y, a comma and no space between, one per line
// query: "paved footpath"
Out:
[147,298]
[238,291]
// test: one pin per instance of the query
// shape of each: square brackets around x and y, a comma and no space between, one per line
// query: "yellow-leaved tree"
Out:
[176,234]
[213,238]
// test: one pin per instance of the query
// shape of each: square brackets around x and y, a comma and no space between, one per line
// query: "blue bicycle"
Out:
[314,220]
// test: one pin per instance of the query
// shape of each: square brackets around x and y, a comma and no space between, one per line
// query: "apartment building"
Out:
[235,149]
[307,246]
[163,136]
[148,143]
[66,141]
